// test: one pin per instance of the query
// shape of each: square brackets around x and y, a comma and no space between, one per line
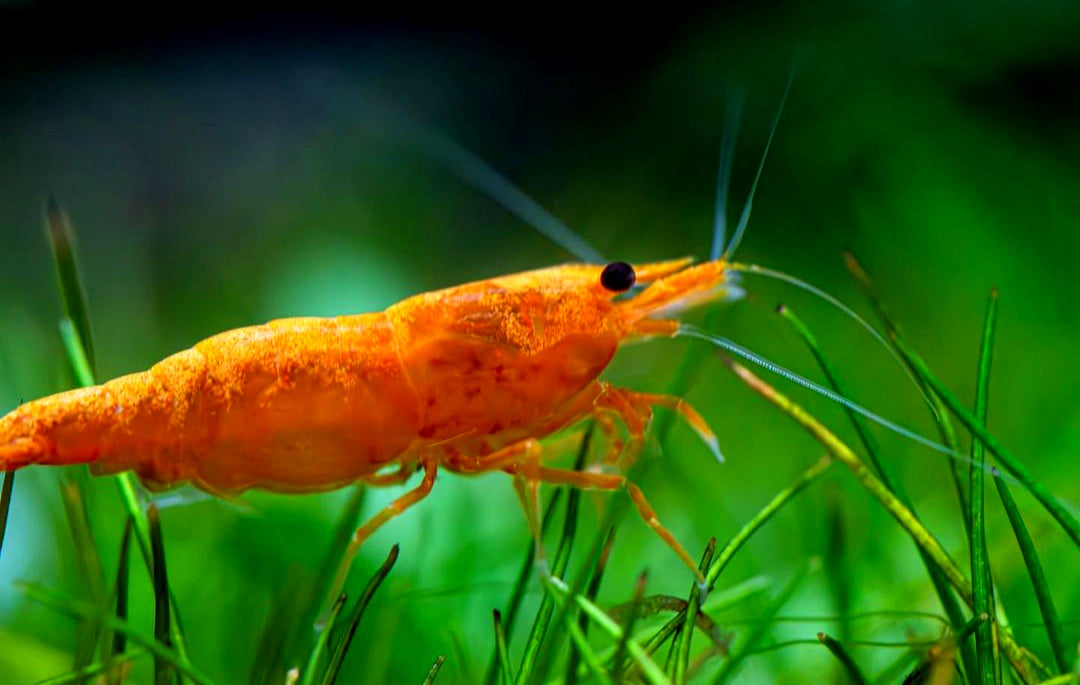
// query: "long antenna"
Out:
[835,302]
[475,172]
[755,358]
[723,175]
[745,218]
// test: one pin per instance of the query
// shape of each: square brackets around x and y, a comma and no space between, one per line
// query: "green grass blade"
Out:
[95,669]
[72,487]
[842,655]
[737,594]
[952,607]
[539,630]
[5,504]
[163,672]
[937,408]
[617,660]
[288,624]
[90,568]
[838,572]
[323,639]
[761,518]
[129,497]
[62,242]
[123,567]
[79,609]
[757,632]
[982,587]
[286,637]
[1035,571]
[532,659]
[125,482]
[693,606]
[1005,457]
[127,487]
[84,376]
[506,675]
[971,627]
[89,562]
[1062,679]
[593,662]
[337,658]
[517,595]
[918,532]
[328,568]
[434,672]
[590,593]
[649,669]
[593,563]
[76,354]
[858,422]
[940,583]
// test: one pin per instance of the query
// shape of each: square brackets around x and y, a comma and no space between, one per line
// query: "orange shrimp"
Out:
[468,379]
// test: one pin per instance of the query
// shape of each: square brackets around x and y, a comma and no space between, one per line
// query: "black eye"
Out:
[617,277]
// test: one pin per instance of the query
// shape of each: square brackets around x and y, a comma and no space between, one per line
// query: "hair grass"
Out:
[938,580]
[987,671]
[842,655]
[5,504]
[624,645]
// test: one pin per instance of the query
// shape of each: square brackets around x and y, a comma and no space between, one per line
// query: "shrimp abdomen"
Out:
[304,404]
[294,405]
[67,428]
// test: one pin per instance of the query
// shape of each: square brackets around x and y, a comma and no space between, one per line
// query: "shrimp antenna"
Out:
[481,176]
[723,175]
[744,219]
[755,358]
[830,299]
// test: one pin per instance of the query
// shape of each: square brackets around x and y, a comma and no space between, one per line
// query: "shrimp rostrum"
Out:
[468,379]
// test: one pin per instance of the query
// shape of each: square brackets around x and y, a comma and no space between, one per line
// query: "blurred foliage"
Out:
[217,186]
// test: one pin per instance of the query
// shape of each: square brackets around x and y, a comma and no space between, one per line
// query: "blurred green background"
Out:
[220,178]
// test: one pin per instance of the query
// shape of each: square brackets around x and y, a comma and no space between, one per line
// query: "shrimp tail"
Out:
[19,452]
[55,430]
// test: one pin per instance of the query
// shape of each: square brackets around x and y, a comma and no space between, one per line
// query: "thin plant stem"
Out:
[922,537]
[1004,456]
[982,587]
[79,609]
[1036,573]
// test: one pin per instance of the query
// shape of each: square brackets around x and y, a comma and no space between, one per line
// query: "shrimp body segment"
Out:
[464,378]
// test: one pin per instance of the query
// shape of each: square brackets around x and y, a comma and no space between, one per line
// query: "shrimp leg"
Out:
[365,531]
[599,481]
[635,410]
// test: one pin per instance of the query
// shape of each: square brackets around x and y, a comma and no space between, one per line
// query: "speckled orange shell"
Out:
[310,404]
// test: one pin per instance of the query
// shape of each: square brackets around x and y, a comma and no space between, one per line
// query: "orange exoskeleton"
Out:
[468,379]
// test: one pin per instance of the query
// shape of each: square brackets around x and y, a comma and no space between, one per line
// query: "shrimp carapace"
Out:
[307,404]
[468,379]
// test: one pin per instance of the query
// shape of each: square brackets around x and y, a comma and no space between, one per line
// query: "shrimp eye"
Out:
[617,277]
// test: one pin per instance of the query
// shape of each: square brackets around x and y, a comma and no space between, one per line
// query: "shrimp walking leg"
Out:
[371,525]
[527,487]
[635,410]
[599,481]
[523,460]
[677,404]
[606,423]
